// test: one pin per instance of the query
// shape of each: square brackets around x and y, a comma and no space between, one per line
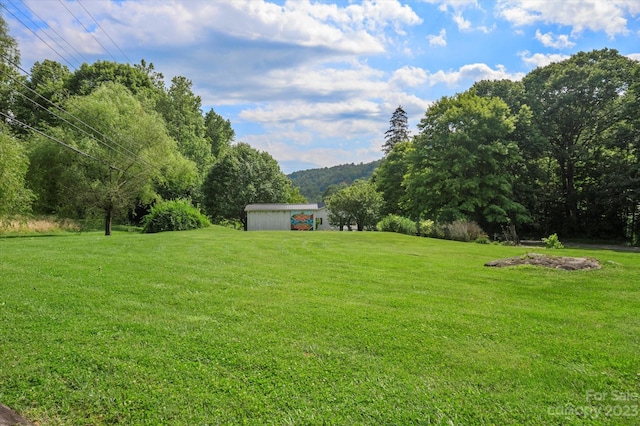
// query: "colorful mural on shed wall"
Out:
[302,221]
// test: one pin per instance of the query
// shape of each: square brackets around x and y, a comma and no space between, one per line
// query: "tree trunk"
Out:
[572,202]
[107,222]
[567,174]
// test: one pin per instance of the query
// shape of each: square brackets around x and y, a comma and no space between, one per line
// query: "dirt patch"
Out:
[8,417]
[555,262]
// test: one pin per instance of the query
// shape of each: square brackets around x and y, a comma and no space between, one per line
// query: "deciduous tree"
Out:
[15,198]
[181,109]
[218,131]
[460,168]
[9,59]
[47,85]
[90,77]
[389,177]
[359,202]
[534,186]
[124,148]
[241,176]
[576,103]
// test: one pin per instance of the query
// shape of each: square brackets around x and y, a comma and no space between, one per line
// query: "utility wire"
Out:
[34,13]
[11,119]
[135,156]
[87,30]
[36,34]
[67,121]
[104,31]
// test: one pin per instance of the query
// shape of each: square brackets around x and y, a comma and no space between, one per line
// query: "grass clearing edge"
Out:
[219,326]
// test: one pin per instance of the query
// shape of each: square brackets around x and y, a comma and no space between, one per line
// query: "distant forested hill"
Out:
[314,182]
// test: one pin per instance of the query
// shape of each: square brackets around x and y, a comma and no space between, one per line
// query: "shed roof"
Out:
[282,207]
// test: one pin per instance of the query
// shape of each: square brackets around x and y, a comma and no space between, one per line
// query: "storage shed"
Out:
[285,217]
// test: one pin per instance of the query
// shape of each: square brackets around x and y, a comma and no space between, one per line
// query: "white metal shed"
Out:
[285,217]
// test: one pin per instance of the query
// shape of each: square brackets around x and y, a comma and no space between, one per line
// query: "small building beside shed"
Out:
[287,217]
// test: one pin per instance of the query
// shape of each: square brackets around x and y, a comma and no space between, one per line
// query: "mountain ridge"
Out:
[314,182]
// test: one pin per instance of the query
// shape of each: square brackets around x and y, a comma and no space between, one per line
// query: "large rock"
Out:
[8,417]
[556,262]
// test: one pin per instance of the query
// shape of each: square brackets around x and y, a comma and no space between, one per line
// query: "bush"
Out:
[431,229]
[552,242]
[460,230]
[176,215]
[395,223]
[483,240]
[464,230]
[425,228]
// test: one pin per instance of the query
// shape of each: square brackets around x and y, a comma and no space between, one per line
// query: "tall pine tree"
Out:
[398,131]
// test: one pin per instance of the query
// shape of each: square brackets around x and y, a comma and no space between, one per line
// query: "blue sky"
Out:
[315,83]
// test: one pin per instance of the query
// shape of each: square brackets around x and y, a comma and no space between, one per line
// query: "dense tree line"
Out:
[110,140]
[558,151]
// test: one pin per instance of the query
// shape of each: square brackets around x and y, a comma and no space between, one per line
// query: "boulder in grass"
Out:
[555,262]
[8,417]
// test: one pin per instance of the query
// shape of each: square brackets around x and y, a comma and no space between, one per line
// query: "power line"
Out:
[11,119]
[87,30]
[104,31]
[64,119]
[135,157]
[60,37]
[36,34]
[34,13]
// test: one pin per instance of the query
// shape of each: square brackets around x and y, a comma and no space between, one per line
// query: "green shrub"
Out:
[552,242]
[395,223]
[483,240]
[429,228]
[464,230]
[175,215]
[425,228]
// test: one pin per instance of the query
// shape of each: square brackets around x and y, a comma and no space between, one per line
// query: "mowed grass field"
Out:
[226,327]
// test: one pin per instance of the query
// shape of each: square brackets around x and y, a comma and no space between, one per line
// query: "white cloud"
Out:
[548,40]
[296,157]
[486,29]
[438,40]
[355,125]
[292,23]
[463,24]
[296,142]
[609,16]
[634,56]
[470,73]
[444,4]
[456,7]
[328,117]
[312,83]
[354,29]
[540,59]
[376,14]
[409,76]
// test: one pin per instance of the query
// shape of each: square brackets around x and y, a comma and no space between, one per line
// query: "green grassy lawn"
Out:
[224,327]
